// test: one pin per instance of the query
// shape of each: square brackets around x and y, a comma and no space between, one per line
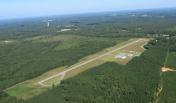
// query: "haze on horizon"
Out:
[30,8]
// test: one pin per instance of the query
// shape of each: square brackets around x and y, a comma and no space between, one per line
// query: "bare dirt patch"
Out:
[165,69]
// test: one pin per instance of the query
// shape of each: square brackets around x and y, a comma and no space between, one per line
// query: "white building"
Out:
[121,56]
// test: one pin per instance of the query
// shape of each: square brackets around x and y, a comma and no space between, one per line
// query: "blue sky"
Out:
[30,8]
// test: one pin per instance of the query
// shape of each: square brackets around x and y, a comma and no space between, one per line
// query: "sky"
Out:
[32,8]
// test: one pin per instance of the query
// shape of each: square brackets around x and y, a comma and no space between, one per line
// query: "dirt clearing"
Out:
[165,69]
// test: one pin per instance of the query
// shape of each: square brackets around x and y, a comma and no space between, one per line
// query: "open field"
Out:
[31,88]
[135,45]
[132,50]
[47,80]
[164,69]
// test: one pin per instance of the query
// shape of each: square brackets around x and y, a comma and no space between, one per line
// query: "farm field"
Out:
[25,89]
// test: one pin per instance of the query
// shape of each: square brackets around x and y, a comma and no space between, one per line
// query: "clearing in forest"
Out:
[30,88]
[164,69]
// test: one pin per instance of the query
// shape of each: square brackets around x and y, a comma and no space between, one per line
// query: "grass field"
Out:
[32,87]
[111,57]
[135,50]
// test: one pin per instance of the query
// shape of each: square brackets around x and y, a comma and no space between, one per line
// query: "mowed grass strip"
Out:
[135,50]
[30,88]
[54,81]
[137,47]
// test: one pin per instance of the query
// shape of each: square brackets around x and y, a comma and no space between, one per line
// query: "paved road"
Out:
[62,74]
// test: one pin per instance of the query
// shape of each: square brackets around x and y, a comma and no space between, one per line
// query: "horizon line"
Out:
[83,13]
